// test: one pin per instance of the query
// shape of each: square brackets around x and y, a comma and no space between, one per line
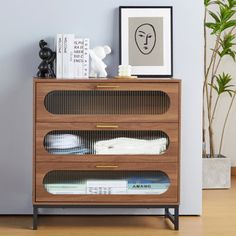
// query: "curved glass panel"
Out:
[107,102]
[106,142]
[106,182]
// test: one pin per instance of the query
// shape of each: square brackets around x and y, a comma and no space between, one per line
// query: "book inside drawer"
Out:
[106,182]
[69,182]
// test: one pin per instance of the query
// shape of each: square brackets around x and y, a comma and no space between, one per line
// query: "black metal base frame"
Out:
[174,218]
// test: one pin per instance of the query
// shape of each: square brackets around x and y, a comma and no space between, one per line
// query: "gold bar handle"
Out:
[107,126]
[107,86]
[113,166]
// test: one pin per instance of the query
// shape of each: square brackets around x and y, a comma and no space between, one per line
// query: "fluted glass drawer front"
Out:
[104,101]
[107,102]
[84,182]
[106,182]
[107,142]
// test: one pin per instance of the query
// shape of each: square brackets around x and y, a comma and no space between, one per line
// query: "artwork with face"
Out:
[145,38]
[145,41]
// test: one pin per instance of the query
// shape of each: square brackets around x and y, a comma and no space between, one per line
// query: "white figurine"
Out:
[98,67]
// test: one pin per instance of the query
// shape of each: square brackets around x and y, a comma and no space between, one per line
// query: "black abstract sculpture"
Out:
[48,56]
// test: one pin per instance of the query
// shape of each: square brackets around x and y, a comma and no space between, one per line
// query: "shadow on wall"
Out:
[16,102]
[112,66]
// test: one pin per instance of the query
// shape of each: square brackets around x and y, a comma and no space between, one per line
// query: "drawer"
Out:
[107,102]
[107,142]
[90,183]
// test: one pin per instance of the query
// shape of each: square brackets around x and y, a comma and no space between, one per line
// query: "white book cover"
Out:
[78,57]
[68,56]
[106,187]
[86,58]
[59,50]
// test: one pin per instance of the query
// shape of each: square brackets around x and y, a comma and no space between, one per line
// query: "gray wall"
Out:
[24,22]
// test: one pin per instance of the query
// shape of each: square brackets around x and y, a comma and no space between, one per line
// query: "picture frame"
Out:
[146,40]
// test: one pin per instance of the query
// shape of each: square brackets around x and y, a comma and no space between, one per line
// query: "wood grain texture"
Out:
[233,171]
[46,122]
[169,88]
[179,132]
[168,197]
[171,155]
[34,144]
[105,80]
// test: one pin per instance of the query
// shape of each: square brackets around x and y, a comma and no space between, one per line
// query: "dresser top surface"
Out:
[108,80]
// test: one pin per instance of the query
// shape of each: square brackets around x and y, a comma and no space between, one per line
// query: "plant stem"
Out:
[203,105]
[225,122]
[217,67]
[213,70]
[205,87]
[212,147]
[214,110]
[211,115]
[227,115]
[216,48]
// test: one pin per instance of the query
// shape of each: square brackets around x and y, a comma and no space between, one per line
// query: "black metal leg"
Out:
[35,218]
[173,218]
[166,212]
[176,218]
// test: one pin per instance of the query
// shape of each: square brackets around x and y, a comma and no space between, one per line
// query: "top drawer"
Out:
[107,102]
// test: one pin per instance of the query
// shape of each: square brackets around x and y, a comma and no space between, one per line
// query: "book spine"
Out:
[86,58]
[59,61]
[78,57]
[68,56]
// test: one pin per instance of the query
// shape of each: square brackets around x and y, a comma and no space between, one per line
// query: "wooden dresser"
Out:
[107,143]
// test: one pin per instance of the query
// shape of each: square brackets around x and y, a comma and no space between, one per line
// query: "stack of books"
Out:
[72,57]
[130,186]
[66,188]
[148,185]
[106,186]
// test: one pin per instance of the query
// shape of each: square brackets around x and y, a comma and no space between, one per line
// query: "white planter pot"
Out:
[216,173]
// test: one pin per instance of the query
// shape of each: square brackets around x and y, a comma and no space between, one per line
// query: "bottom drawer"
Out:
[108,183]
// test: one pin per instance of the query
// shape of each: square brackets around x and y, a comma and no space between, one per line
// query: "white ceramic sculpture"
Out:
[98,67]
[124,70]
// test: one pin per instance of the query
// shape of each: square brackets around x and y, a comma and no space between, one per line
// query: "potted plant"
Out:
[220,27]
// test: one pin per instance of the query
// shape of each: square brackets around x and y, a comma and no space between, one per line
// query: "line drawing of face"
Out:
[145,38]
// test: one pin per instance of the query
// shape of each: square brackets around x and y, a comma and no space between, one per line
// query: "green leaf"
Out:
[222,84]
[215,27]
[227,46]
[231,3]
[214,87]
[213,15]
[207,2]
[210,2]
[228,24]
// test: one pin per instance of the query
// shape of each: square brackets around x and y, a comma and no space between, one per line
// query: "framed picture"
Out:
[146,40]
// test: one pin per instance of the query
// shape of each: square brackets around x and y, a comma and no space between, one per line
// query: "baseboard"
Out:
[233,170]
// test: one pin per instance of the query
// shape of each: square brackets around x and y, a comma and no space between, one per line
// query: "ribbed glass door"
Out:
[106,142]
[106,182]
[98,102]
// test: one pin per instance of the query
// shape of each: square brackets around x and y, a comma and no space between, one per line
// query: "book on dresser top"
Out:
[59,62]
[68,56]
[86,58]
[73,59]
[78,57]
